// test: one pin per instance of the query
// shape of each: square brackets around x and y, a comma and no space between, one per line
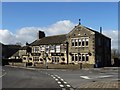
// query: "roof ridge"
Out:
[55,35]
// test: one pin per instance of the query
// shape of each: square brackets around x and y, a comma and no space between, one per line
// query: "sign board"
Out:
[57,54]
[35,54]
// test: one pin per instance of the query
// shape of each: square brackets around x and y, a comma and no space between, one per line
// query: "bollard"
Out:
[80,65]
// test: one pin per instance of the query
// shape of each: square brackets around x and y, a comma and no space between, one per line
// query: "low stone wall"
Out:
[65,66]
[55,66]
[17,64]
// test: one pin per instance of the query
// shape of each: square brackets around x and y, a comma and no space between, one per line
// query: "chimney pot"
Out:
[101,30]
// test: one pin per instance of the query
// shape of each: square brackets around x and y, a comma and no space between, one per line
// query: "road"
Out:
[75,78]
[23,78]
[56,79]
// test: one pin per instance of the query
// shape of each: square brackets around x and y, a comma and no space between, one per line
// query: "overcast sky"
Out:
[21,21]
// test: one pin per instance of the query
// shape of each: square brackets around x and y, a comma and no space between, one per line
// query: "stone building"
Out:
[80,45]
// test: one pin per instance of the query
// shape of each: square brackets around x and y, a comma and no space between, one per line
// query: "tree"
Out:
[115,53]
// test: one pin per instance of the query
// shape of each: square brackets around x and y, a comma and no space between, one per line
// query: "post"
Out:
[45,55]
[67,50]
[80,65]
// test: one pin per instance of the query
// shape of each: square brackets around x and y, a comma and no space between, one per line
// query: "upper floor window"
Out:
[86,40]
[83,42]
[58,48]
[36,49]
[76,41]
[52,49]
[79,42]
[73,43]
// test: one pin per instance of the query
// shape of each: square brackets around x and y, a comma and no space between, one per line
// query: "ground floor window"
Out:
[55,59]
[36,58]
[80,57]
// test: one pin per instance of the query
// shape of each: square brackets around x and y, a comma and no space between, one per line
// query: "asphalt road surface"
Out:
[54,79]
[23,78]
[75,78]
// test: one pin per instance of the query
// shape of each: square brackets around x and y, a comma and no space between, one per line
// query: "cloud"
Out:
[7,37]
[29,34]
[113,34]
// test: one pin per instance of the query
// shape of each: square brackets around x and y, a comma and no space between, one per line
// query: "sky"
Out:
[22,20]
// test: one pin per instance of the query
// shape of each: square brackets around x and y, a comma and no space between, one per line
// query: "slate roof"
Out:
[24,48]
[57,39]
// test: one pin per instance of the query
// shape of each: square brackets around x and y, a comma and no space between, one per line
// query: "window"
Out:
[30,58]
[36,49]
[58,49]
[83,57]
[24,58]
[73,42]
[76,40]
[47,49]
[35,58]
[79,42]
[52,49]
[83,40]
[87,57]
[79,57]
[76,57]
[72,57]
[86,41]
[57,59]
[42,48]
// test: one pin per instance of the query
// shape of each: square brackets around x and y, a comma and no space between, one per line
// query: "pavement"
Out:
[63,79]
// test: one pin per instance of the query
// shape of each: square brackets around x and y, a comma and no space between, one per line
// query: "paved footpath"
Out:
[101,84]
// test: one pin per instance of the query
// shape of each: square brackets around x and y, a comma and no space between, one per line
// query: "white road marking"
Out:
[105,76]
[59,82]
[61,85]
[52,75]
[56,75]
[85,77]
[62,80]
[3,75]
[65,82]
[56,79]
[68,85]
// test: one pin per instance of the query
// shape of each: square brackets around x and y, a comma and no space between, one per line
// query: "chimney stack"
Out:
[101,30]
[41,34]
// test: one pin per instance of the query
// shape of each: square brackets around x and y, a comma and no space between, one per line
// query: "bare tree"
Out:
[115,53]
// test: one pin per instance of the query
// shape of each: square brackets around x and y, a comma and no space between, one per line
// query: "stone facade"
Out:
[81,45]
